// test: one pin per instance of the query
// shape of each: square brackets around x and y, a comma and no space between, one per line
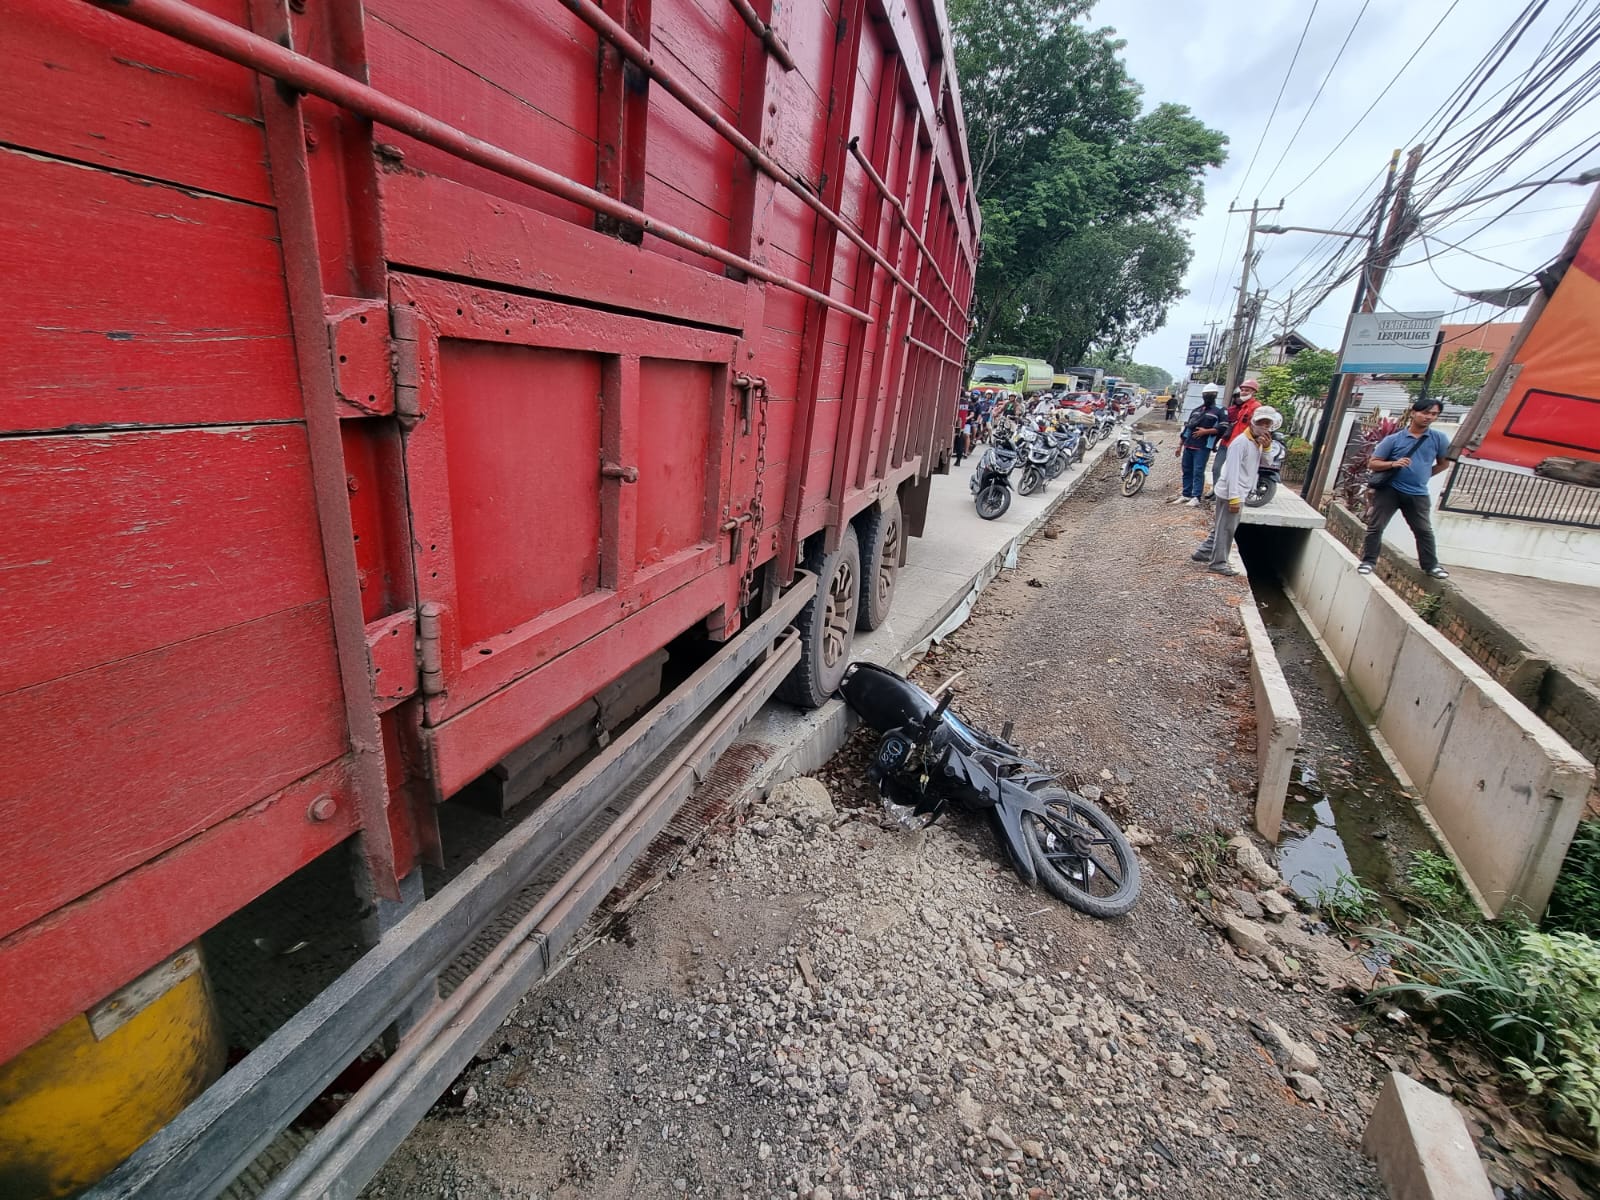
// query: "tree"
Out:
[1082,196]
[1458,377]
[1312,372]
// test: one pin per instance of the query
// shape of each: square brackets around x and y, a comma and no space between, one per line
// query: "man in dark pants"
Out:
[1195,445]
[1415,454]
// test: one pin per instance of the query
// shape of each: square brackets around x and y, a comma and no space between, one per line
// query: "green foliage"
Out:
[1296,459]
[1082,195]
[1431,882]
[1575,903]
[1458,377]
[1348,902]
[1531,999]
[1312,372]
[1429,607]
[1277,390]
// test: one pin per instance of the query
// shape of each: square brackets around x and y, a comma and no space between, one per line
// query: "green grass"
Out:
[1349,902]
[1432,886]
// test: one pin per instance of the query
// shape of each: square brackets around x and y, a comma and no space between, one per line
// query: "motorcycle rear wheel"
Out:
[1262,493]
[1082,857]
[993,500]
[1132,482]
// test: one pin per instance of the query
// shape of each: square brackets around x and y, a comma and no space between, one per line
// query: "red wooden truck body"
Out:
[341,453]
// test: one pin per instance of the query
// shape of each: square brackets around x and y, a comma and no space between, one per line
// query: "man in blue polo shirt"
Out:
[1413,455]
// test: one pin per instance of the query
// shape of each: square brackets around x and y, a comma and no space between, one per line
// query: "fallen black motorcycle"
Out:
[929,757]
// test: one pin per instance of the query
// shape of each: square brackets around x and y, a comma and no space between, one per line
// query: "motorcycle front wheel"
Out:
[1032,480]
[993,500]
[1132,482]
[1262,493]
[1082,857]
[1057,464]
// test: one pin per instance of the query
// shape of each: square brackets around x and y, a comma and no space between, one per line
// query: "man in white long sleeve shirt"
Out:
[1238,480]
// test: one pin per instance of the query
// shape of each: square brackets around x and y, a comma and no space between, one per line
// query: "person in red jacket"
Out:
[1240,412]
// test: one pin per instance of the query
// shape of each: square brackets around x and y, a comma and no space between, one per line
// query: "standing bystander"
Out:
[1237,480]
[1402,464]
[1195,444]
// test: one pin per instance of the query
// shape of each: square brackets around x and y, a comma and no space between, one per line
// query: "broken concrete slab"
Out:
[1421,1145]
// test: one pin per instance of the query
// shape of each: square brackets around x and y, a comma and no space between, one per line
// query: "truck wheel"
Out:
[827,624]
[880,533]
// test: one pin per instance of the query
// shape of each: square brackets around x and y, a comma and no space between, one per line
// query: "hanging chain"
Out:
[757,513]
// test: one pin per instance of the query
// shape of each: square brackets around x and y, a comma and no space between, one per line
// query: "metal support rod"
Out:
[227,40]
[763,30]
[900,209]
[630,48]
[957,363]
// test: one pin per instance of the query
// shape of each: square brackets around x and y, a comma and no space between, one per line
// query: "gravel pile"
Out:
[922,1029]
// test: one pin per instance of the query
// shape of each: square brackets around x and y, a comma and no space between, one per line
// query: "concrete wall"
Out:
[1277,724]
[1502,789]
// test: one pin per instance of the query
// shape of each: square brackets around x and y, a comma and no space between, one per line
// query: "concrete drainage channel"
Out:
[1500,790]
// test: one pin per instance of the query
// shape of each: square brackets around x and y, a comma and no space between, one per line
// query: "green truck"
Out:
[1002,372]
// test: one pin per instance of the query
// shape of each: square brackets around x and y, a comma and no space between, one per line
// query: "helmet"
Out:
[1253,384]
[1269,414]
[1210,389]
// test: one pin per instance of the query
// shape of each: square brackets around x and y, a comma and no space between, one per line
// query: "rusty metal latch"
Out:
[611,470]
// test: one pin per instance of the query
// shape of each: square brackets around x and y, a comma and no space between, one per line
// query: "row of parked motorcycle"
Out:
[1038,450]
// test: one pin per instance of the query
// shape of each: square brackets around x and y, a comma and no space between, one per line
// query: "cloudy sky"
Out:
[1225,60]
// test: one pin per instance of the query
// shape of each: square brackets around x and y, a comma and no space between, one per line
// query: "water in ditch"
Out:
[1346,815]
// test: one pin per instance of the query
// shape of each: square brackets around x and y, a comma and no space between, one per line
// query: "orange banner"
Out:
[1553,407]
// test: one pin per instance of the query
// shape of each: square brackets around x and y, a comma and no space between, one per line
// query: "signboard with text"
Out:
[1197,350]
[1391,343]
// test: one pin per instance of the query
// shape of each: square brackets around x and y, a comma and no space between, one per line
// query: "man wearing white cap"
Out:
[1238,480]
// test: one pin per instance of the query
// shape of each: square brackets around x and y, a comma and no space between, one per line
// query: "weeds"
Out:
[1575,904]
[1349,902]
[1428,607]
[1531,999]
[1432,885]
[1207,858]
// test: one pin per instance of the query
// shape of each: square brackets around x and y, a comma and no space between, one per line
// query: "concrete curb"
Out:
[1421,1145]
[803,741]
[1277,723]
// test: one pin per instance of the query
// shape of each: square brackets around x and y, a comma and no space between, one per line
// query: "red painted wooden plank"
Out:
[100,337]
[522,441]
[73,958]
[416,74]
[438,225]
[675,404]
[121,543]
[77,82]
[703,50]
[109,767]
[465,746]
[536,52]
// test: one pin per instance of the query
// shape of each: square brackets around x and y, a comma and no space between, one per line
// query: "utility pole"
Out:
[1385,246]
[1283,338]
[1236,354]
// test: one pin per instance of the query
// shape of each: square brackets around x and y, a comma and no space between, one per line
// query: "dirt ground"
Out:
[823,1004]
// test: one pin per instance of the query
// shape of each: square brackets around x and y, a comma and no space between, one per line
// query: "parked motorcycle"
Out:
[929,757]
[1141,457]
[1035,459]
[1105,423]
[991,481]
[1268,473]
[1066,448]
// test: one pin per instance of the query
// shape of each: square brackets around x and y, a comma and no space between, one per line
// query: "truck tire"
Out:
[827,623]
[880,531]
